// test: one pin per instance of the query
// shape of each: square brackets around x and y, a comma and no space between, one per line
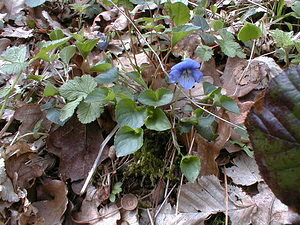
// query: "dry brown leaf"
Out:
[245,171]
[110,214]
[232,73]
[29,216]
[270,209]
[130,217]
[54,24]
[209,151]
[90,214]
[13,8]
[77,146]
[187,46]
[120,23]
[52,210]
[209,69]
[208,196]
[19,32]
[29,115]
[24,168]
[18,148]
[168,216]
[109,15]
[239,82]
[7,192]
[89,206]
[231,148]
[141,58]
[4,43]
[244,109]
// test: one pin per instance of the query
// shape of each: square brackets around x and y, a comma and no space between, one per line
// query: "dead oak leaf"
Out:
[169,216]
[244,109]
[30,115]
[208,196]
[236,85]
[19,32]
[245,171]
[6,188]
[270,209]
[77,146]
[24,168]
[53,210]
[239,79]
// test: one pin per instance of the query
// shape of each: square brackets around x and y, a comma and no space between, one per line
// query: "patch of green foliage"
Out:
[149,160]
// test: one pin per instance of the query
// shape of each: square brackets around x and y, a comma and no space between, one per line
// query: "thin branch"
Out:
[95,165]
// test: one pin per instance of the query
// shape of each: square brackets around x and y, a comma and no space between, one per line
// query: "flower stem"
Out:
[205,110]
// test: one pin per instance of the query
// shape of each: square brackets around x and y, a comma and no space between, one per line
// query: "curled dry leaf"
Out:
[209,151]
[54,24]
[4,43]
[18,149]
[90,214]
[29,216]
[244,109]
[129,217]
[274,129]
[129,202]
[109,214]
[209,69]
[24,168]
[271,210]
[108,15]
[52,210]
[89,207]
[187,46]
[24,165]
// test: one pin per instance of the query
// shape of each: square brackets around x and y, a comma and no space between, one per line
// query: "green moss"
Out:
[149,160]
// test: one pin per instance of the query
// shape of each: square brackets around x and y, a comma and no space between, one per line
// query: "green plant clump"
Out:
[148,162]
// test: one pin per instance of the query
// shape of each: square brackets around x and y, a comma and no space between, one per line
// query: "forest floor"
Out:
[141,112]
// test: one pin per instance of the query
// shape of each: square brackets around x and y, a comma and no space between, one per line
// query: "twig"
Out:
[4,129]
[247,67]
[150,217]
[259,5]
[178,195]
[226,198]
[95,165]
[168,180]
[162,204]
[14,139]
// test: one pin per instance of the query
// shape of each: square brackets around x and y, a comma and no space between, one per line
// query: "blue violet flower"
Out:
[103,43]
[186,73]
